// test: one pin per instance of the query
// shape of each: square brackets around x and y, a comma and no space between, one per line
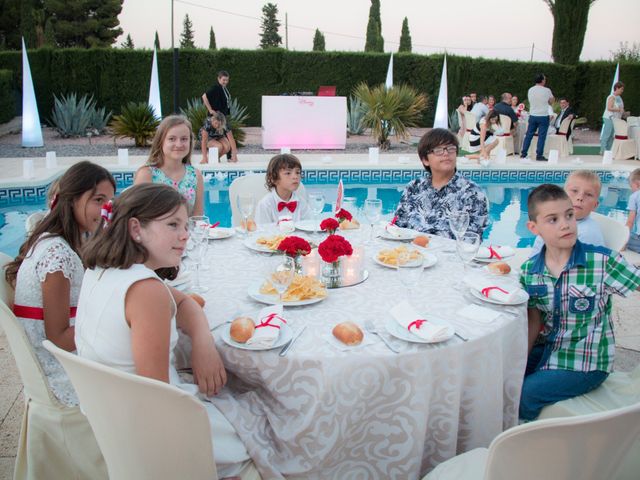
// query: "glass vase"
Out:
[331,274]
[297,260]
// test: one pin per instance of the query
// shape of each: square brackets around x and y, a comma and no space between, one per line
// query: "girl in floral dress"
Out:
[170,162]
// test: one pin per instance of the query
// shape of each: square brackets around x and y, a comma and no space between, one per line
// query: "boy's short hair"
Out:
[588,175]
[277,163]
[546,192]
[634,176]
[435,137]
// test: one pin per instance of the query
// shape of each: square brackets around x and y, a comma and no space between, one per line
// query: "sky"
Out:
[508,29]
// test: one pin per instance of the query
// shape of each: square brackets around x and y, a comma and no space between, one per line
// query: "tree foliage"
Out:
[405,37]
[212,40]
[270,38]
[9,34]
[156,41]
[569,27]
[128,43]
[374,41]
[186,37]
[49,33]
[318,42]
[626,53]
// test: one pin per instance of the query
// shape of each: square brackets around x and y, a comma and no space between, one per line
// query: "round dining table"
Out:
[329,411]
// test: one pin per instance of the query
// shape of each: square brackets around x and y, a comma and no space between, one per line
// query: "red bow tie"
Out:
[290,205]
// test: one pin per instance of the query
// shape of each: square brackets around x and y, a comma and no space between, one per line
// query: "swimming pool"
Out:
[507,191]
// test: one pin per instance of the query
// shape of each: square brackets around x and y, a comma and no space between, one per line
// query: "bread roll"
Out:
[348,333]
[499,268]
[198,299]
[421,241]
[242,329]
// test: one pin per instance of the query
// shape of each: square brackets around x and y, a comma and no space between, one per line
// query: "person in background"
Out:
[462,109]
[480,109]
[504,108]
[565,112]
[540,98]
[614,109]
[218,98]
[633,207]
[474,98]
[491,102]
[484,136]
[214,133]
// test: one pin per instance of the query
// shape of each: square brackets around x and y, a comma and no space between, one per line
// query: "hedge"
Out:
[117,76]
[7,97]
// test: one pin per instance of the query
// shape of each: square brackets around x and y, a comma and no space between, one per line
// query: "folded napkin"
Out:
[408,318]
[399,232]
[495,252]
[479,314]
[501,293]
[267,330]
[285,224]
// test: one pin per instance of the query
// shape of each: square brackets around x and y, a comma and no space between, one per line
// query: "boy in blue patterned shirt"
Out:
[570,285]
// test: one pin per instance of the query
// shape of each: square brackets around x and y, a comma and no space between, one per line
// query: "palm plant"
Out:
[236,120]
[136,121]
[390,110]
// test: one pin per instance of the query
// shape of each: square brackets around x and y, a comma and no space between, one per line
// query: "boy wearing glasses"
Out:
[426,202]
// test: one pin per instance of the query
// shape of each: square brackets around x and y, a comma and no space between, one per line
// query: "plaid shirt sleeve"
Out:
[621,277]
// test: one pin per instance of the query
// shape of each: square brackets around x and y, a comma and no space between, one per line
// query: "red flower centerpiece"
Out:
[343,215]
[329,225]
[330,250]
[295,247]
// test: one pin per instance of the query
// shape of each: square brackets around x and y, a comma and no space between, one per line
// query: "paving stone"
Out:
[6,468]
[10,429]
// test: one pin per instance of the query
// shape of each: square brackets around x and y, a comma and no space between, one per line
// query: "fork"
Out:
[370,327]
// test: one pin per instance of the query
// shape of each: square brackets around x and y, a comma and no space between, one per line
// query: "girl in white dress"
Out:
[127,316]
[47,273]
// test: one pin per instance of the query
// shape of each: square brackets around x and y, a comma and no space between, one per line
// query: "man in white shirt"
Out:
[480,109]
[540,97]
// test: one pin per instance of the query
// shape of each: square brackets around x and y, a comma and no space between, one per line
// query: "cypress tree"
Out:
[212,40]
[374,41]
[270,38]
[569,27]
[28,24]
[49,33]
[405,37]
[318,42]
[128,43]
[156,41]
[186,37]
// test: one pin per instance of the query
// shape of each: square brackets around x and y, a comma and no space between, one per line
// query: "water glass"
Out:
[349,204]
[283,274]
[198,235]
[410,272]
[458,222]
[246,206]
[467,246]
[373,212]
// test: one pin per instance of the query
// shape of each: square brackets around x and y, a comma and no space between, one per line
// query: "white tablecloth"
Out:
[368,413]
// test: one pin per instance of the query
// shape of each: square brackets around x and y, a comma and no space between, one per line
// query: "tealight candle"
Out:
[374,154]
[51,160]
[284,150]
[123,156]
[213,155]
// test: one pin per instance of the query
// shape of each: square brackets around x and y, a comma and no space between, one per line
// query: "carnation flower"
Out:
[334,247]
[329,225]
[343,215]
[294,246]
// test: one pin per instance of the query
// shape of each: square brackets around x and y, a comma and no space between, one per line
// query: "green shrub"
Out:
[237,117]
[196,112]
[136,121]
[7,98]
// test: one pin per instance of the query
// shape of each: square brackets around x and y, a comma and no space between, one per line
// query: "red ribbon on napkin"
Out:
[493,253]
[485,291]
[267,321]
[416,323]
[393,220]
[214,225]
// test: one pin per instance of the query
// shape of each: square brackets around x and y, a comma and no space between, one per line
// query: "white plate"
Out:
[397,331]
[250,243]
[254,292]
[285,335]
[522,297]
[407,234]
[220,232]
[429,260]
[308,225]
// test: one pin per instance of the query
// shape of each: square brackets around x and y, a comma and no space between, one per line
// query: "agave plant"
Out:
[72,116]
[454,121]
[136,121]
[99,120]
[390,110]
[196,112]
[236,120]
[354,116]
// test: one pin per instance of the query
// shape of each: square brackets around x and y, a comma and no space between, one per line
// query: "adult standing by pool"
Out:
[218,98]
[540,97]
[427,202]
[613,109]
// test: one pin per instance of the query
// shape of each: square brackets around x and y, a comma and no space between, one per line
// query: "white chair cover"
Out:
[616,234]
[623,147]
[33,220]
[558,141]
[505,140]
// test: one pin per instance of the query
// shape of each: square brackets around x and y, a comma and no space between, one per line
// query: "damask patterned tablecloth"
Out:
[321,412]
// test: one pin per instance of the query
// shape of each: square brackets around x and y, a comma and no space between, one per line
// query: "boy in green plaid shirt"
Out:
[569,285]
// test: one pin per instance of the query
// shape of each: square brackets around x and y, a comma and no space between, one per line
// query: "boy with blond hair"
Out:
[569,285]
[633,221]
[583,188]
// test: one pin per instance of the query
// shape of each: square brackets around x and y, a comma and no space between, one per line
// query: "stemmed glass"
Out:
[199,231]
[409,272]
[283,275]
[316,202]
[467,247]
[458,222]
[246,205]
[373,212]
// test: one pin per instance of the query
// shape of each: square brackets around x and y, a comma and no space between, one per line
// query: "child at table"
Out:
[633,221]
[570,285]
[169,162]
[128,318]
[583,188]
[282,201]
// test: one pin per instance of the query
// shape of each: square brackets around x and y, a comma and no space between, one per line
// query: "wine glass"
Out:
[316,203]
[283,274]
[198,231]
[458,222]
[373,212]
[467,246]
[409,272]
[246,205]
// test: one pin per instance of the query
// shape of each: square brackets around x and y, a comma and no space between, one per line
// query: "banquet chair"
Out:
[623,147]
[33,220]
[469,121]
[505,140]
[251,184]
[147,429]
[464,141]
[558,141]
[620,389]
[56,441]
[590,446]
[616,234]
[6,290]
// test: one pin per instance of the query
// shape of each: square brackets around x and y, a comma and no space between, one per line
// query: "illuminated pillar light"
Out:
[31,129]
[442,117]
[388,83]
[154,87]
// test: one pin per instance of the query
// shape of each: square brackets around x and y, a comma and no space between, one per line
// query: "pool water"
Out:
[507,215]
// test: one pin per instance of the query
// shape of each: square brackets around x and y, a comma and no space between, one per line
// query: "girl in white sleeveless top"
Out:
[127,316]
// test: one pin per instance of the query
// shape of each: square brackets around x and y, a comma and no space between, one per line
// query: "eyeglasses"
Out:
[440,151]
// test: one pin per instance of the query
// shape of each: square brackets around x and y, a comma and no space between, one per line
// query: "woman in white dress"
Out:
[127,317]
[47,273]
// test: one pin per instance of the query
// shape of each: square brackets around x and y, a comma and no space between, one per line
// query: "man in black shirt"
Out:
[504,108]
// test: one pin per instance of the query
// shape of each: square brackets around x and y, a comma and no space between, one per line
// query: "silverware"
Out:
[464,339]
[290,343]
[370,327]
[220,325]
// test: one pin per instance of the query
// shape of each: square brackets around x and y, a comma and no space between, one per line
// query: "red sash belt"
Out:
[36,313]
[621,137]
[507,134]
[469,130]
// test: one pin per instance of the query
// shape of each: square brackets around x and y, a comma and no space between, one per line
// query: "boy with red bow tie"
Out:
[282,202]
